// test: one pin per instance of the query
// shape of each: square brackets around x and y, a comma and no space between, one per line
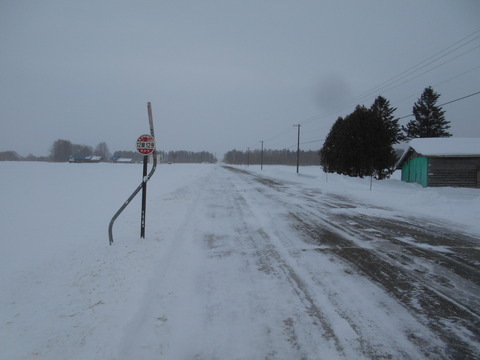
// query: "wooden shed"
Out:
[442,162]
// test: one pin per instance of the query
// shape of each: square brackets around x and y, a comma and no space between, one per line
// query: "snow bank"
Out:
[458,206]
[64,292]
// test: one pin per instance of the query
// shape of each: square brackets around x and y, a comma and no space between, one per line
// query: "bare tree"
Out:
[103,151]
[61,150]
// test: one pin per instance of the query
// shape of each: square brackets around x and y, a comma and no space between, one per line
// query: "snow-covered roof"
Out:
[446,146]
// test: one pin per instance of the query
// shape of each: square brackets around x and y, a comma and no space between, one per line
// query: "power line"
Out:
[448,102]
[456,76]
[310,142]
[415,68]
[429,70]
[391,83]
[406,116]
[463,97]
[441,83]
[403,117]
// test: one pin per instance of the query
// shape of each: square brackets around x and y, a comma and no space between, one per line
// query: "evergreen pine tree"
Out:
[361,144]
[331,157]
[381,108]
[429,118]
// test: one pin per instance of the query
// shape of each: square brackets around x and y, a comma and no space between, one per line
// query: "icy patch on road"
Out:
[412,242]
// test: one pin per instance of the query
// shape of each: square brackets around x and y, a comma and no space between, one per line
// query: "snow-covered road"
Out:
[261,273]
[240,265]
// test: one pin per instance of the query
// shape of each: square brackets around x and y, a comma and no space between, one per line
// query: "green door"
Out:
[416,170]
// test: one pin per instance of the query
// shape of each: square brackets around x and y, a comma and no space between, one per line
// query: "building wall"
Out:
[416,170]
[462,172]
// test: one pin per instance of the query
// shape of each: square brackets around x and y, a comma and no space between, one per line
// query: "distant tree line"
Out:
[183,156]
[9,156]
[64,150]
[271,157]
[361,144]
[14,156]
[134,156]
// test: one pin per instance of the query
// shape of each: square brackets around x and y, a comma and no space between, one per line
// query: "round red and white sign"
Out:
[145,144]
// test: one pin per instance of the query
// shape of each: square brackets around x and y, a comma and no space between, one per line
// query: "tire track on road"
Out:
[448,304]
[275,258]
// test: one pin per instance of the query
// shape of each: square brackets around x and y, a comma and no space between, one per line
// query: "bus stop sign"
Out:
[145,144]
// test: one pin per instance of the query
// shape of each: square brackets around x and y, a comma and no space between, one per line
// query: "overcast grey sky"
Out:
[225,74]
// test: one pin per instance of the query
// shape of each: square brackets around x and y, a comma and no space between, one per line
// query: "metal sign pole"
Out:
[145,145]
[144,197]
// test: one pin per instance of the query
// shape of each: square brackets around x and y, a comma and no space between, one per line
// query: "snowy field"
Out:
[202,285]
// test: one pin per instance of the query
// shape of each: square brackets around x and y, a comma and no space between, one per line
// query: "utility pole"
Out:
[261,157]
[248,157]
[298,146]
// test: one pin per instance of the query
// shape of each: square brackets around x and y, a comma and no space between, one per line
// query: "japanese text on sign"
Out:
[145,144]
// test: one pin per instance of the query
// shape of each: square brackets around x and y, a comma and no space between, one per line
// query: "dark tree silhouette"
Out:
[429,118]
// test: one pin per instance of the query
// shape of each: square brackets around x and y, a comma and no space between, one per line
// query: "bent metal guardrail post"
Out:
[144,180]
